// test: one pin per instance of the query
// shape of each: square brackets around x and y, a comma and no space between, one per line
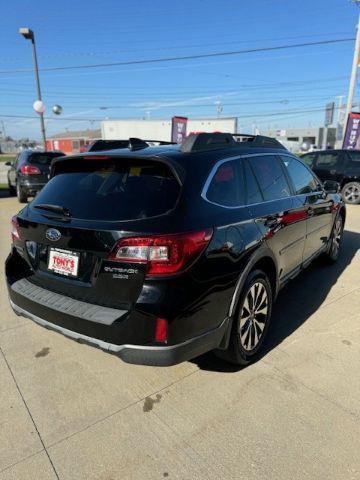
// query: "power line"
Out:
[240,115]
[185,57]
[93,53]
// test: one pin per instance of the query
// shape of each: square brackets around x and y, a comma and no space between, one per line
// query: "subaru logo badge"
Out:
[53,234]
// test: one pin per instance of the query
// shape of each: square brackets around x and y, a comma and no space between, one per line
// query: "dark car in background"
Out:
[161,254]
[343,166]
[29,173]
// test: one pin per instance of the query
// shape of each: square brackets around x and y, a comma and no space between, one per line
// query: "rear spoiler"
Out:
[74,162]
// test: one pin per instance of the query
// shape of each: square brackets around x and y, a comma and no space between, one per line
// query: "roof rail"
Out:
[211,141]
[258,140]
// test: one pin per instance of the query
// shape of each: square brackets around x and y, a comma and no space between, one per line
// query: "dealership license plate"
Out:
[63,262]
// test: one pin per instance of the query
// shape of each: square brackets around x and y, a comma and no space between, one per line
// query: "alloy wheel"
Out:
[253,316]
[337,233]
[352,194]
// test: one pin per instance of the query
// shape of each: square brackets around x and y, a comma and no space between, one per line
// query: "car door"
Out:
[329,165]
[311,199]
[274,211]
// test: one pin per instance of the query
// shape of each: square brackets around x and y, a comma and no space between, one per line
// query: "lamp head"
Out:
[27,33]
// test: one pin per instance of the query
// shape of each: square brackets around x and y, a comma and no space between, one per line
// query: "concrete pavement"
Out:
[69,411]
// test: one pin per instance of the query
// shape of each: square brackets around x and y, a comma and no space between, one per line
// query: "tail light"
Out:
[30,170]
[15,229]
[163,254]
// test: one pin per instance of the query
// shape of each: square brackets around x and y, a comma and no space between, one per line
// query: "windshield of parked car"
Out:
[116,191]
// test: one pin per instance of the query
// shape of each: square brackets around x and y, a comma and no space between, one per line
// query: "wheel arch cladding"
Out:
[267,265]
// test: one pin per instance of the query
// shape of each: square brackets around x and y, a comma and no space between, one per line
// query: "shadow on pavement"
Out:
[297,301]
[4,193]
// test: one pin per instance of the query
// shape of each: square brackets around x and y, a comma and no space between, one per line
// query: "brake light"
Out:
[15,229]
[96,157]
[30,170]
[163,254]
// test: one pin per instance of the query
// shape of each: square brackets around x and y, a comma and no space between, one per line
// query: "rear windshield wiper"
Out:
[54,208]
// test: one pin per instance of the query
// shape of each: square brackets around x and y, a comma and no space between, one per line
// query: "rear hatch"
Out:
[73,227]
[38,165]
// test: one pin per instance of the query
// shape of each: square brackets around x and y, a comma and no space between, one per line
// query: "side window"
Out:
[354,160]
[253,194]
[303,180]
[308,159]
[327,160]
[226,186]
[270,177]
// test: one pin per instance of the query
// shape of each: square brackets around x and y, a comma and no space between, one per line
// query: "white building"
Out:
[161,129]
[314,136]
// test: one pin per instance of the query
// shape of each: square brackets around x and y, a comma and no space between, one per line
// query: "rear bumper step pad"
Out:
[70,306]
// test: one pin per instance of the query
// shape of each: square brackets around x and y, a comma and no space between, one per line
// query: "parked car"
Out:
[29,173]
[161,254]
[343,166]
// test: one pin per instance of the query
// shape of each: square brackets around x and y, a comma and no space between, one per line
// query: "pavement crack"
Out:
[136,402]
[22,460]
[29,412]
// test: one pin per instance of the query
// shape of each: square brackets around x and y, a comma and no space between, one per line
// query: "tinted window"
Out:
[270,177]
[43,158]
[303,180]
[308,159]
[354,159]
[327,160]
[253,194]
[226,186]
[124,190]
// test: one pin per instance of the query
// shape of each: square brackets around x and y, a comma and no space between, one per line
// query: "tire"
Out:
[245,347]
[21,195]
[351,193]
[332,253]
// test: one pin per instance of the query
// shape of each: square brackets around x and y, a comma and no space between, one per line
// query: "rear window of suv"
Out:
[116,191]
[43,158]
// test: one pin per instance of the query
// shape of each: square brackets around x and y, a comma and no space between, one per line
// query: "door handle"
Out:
[333,172]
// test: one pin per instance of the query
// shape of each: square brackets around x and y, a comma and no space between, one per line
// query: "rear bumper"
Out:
[30,187]
[141,354]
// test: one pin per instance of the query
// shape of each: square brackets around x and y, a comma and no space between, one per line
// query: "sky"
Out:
[271,89]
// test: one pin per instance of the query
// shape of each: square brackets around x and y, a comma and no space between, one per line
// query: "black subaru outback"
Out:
[159,254]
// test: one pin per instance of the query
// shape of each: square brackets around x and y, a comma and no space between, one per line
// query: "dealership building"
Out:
[312,136]
[72,141]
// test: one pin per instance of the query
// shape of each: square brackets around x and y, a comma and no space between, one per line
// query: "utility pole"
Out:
[353,76]
[28,34]
[340,105]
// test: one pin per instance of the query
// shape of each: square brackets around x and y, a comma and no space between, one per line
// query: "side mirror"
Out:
[330,186]
[8,164]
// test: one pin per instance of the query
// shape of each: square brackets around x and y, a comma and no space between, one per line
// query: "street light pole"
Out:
[29,35]
[352,83]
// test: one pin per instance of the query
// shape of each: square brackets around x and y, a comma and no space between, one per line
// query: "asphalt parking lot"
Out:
[69,411]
